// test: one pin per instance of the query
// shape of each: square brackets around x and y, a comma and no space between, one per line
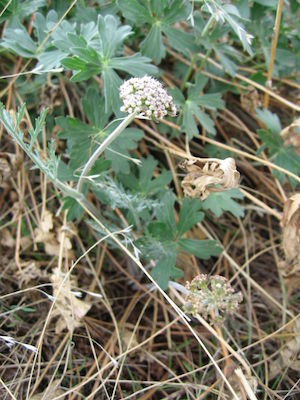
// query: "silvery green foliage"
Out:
[229,13]
[113,193]
[48,166]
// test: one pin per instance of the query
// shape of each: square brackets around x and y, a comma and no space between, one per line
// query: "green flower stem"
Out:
[188,74]
[208,25]
[102,147]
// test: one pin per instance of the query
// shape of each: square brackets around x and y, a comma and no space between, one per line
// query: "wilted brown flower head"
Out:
[212,297]
[147,97]
[204,178]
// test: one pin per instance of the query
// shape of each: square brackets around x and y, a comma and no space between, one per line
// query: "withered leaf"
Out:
[204,178]
[290,268]
[68,306]
[51,236]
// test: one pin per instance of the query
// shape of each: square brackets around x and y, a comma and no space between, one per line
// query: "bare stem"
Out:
[102,147]
[273,50]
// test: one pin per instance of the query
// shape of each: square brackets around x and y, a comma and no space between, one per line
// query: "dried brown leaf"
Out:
[30,272]
[290,268]
[205,178]
[68,306]
[52,238]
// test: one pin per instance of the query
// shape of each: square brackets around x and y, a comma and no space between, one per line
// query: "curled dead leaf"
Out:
[30,272]
[49,232]
[68,306]
[290,268]
[204,178]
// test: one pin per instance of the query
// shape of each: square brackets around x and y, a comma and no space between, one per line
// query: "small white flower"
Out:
[146,96]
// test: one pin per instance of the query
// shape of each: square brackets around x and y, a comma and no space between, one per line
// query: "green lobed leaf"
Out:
[135,65]
[20,9]
[180,41]
[229,66]
[189,125]
[144,183]
[163,270]
[75,211]
[189,215]
[175,11]
[17,40]
[218,202]
[211,101]
[152,46]
[283,156]
[203,249]
[79,140]
[270,120]
[118,153]
[135,11]
[166,212]
[93,107]
[112,83]
[111,34]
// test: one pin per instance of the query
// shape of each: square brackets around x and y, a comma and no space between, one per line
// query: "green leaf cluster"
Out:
[160,17]
[192,107]
[165,238]
[82,138]
[280,154]
[219,202]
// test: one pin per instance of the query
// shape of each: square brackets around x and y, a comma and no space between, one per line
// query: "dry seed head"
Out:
[147,97]
[212,297]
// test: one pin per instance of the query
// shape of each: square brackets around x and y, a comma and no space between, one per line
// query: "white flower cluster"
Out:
[147,97]
[212,296]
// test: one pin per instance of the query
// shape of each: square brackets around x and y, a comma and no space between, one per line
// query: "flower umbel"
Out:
[147,97]
[212,297]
